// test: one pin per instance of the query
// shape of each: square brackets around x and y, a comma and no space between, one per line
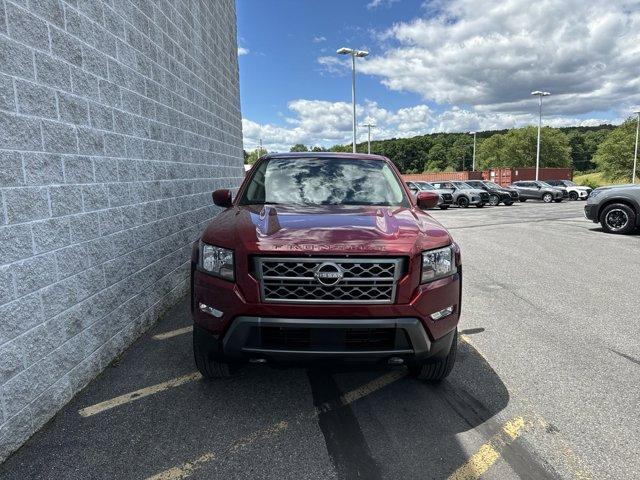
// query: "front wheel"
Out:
[547,198]
[558,200]
[208,367]
[523,200]
[618,218]
[443,207]
[480,205]
[494,200]
[573,195]
[508,203]
[463,202]
[437,370]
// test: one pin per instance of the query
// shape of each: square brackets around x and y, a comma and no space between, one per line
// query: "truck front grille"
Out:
[328,280]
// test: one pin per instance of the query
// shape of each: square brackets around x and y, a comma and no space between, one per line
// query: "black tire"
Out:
[523,200]
[494,200]
[463,202]
[618,218]
[443,207]
[559,200]
[437,370]
[574,195]
[547,198]
[480,205]
[207,366]
[508,203]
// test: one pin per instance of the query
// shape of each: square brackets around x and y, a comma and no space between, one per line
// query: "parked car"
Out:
[575,191]
[446,196]
[616,208]
[497,194]
[325,257]
[533,190]
[463,194]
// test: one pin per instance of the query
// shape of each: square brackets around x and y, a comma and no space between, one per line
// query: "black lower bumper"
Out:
[286,340]
[591,213]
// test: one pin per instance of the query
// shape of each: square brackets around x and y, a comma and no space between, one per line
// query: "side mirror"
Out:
[539,187]
[222,198]
[427,199]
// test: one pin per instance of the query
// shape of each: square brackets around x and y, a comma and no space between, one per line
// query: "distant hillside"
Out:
[454,151]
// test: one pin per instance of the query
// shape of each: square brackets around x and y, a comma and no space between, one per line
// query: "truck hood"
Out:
[326,229]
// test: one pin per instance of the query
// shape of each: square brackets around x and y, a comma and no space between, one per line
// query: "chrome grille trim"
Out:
[293,280]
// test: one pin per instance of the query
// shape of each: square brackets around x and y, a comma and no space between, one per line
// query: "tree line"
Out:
[605,148]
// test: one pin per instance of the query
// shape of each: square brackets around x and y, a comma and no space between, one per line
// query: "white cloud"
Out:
[242,51]
[319,122]
[490,56]
[373,4]
[319,39]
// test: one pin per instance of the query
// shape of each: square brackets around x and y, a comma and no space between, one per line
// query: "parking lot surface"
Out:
[546,385]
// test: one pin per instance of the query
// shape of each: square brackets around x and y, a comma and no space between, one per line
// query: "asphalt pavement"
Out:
[546,385]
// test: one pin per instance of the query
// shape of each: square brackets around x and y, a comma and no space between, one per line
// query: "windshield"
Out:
[324,181]
[569,183]
[545,184]
[425,186]
[462,185]
[492,184]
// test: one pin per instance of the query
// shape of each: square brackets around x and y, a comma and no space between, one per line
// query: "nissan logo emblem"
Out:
[328,274]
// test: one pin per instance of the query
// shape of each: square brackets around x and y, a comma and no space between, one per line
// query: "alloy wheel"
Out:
[616,219]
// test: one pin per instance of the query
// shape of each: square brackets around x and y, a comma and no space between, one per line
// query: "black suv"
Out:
[497,194]
[533,190]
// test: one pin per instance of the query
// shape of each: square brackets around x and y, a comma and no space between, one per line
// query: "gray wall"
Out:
[117,120]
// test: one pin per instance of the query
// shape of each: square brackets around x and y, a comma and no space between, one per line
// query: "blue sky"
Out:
[285,39]
[454,65]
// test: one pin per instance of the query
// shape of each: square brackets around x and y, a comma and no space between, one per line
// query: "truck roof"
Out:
[356,156]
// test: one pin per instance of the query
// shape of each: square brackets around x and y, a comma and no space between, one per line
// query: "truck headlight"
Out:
[217,261]
[437,264]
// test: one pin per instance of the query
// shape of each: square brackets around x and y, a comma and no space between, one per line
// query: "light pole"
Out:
[540,95]
[635,155]
[473,168]
[354,53]
[369,126]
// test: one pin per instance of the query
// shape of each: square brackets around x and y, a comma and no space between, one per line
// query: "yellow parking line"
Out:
[173,333]
[188,468]
[137,395]
[489,453]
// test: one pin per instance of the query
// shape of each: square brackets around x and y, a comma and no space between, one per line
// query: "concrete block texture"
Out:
[117,120]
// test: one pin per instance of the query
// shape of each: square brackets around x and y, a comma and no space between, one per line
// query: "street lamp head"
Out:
[361,53]
[543,94]
[472,133]
[344,51]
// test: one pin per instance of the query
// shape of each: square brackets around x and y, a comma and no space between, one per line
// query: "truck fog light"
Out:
[210,310]
[445,312]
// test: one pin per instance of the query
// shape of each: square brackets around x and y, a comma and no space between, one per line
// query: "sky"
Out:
[434,66]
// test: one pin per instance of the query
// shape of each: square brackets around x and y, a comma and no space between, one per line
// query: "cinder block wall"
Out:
[117,120]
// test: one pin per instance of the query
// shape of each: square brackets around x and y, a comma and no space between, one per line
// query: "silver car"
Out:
[463,194]
[446,196]
[617,208]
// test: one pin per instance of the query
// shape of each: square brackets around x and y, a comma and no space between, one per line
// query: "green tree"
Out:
[317,149]
[299,147]
[254,155]
[517,148]
[614,156]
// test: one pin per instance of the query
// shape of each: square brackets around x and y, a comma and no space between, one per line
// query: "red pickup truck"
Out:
[325,257]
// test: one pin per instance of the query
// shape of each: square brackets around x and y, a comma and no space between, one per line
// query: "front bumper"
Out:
[234,331]
[591,213]
[324,341]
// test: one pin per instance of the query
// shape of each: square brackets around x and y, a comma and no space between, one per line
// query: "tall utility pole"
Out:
[354,53]
[369,126]
[473,168]
[540,95]
[635,155]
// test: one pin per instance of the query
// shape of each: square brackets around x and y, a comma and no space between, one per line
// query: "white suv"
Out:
[576,192]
